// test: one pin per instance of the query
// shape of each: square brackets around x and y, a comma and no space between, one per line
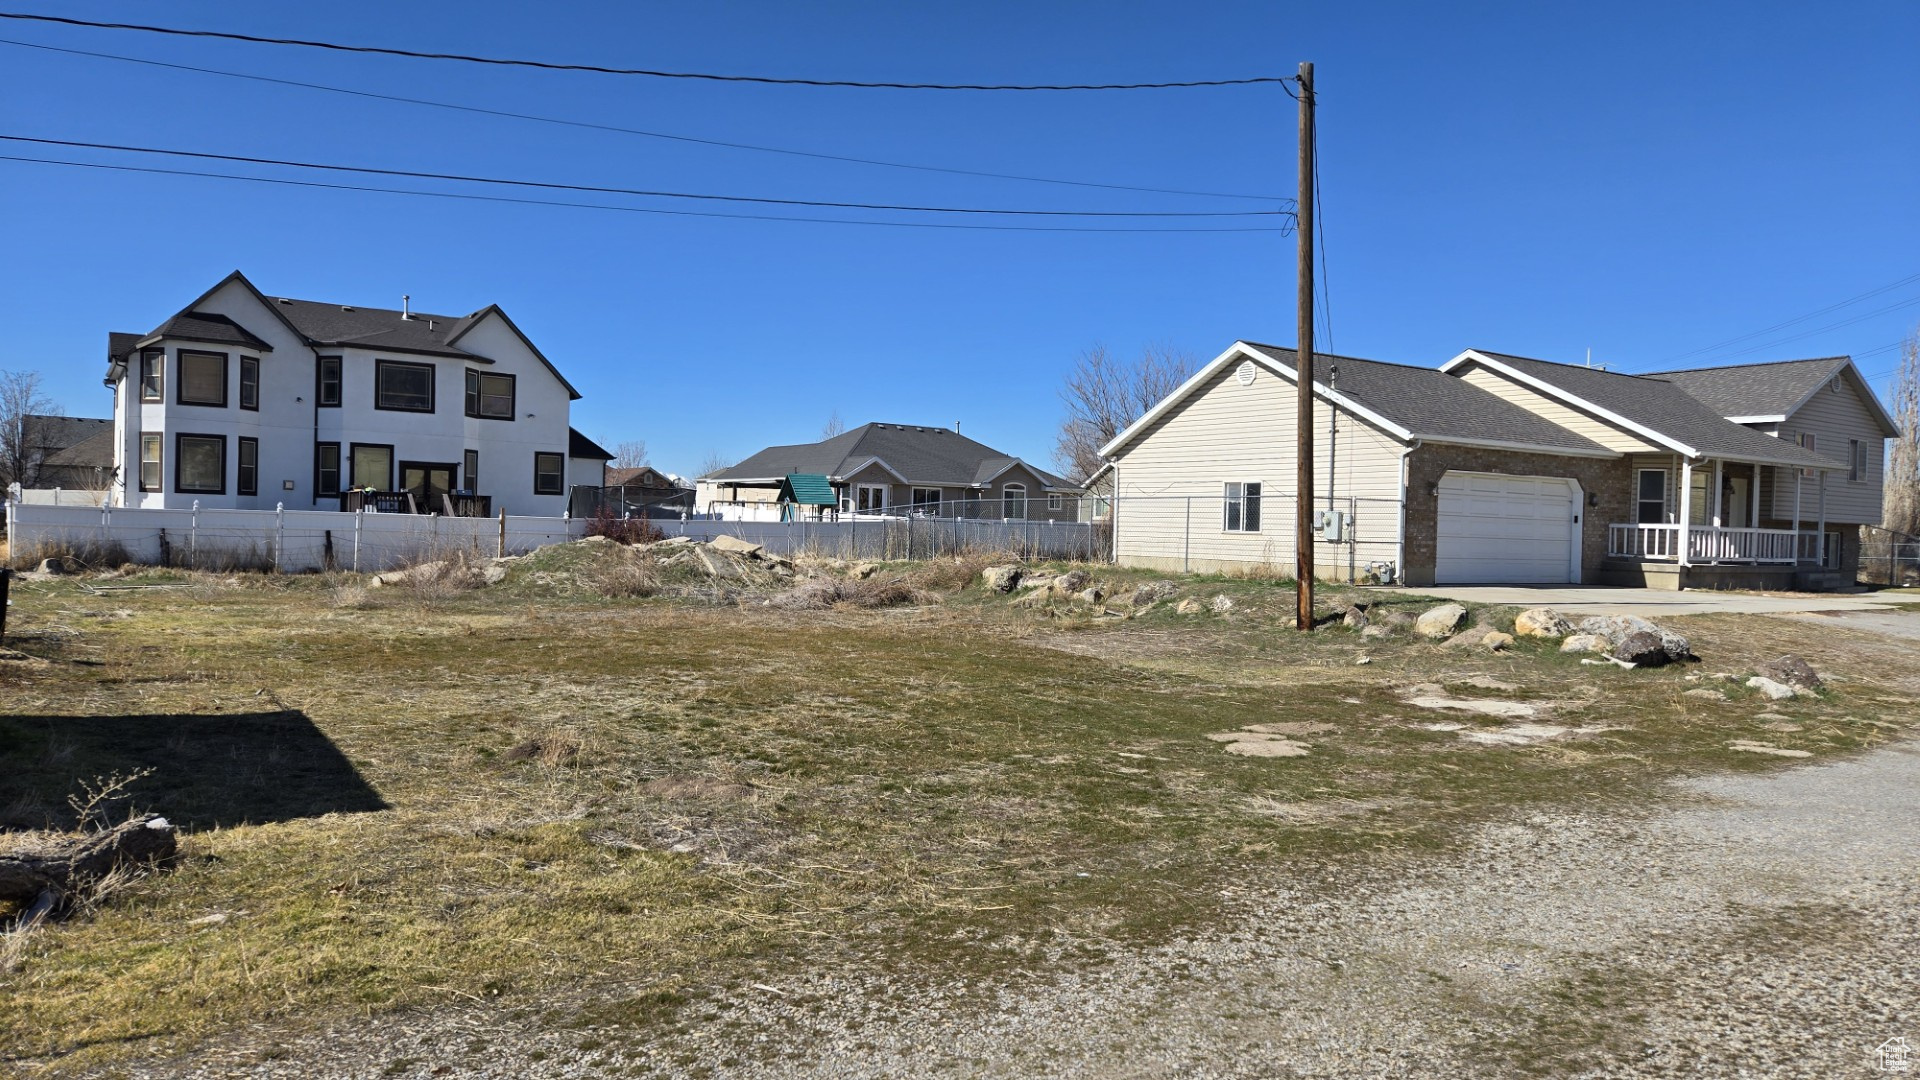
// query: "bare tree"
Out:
[1103,395]
[713,463]
[630,454]
[1901,507]
[20,397]
[834,425]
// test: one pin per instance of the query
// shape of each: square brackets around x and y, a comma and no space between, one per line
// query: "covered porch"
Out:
[1717,512]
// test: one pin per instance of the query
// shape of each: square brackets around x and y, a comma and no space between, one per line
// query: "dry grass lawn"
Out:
[596,810]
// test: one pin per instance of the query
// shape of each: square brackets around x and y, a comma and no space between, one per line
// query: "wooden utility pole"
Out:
[1303,383]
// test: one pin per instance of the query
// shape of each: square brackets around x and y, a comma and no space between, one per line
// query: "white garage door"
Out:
[1505,529]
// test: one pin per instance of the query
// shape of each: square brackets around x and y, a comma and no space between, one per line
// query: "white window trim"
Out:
[1006,500]
[872,505]
[1666,493]
[1228,501]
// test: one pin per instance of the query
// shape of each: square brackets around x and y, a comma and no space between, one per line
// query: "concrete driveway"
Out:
[1652,603]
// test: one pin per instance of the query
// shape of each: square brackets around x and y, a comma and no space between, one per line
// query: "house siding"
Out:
[1833,418]
[1607,479]
[1170,482]
[1575,420]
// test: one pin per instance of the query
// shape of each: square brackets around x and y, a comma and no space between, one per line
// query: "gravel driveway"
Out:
[1764,925]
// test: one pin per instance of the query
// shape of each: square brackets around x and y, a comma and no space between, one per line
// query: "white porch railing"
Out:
[1714,544]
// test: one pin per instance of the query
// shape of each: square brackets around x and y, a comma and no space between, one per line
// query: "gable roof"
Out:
[338,325]
[807,489]
[53,434]
[1649,406]
[580,446]
[1771,392]
[914,454]
[95,451]
[645,476]
[1405,402]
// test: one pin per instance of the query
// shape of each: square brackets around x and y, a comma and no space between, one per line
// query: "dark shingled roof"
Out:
[923,455]
[50,434]
[580,446]
[1434,405]
[1662,406]
[119,345]
[95,451]
[1756,389]
[209,328]
[373,328]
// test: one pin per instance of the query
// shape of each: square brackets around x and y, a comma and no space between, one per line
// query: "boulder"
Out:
[494,572]
[1641,649]
[1793,671]
[1578,643]
[1541,622]
[1152,591]
[676,541]
[63,564]
[1073,581]
[1189,606]
[1497,640]
[1442,621]
[1472,635]
[733,545]
[1397,620]
[1091,595]
[1375,632]
[595,539]
[1617,628]
[718,567]
[1774,690]
[1221,604]
[1001,579]
[1355,618]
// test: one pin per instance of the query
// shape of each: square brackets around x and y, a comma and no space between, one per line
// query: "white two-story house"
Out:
[248,401]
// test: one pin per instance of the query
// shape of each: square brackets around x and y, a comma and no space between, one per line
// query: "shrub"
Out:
[626,530]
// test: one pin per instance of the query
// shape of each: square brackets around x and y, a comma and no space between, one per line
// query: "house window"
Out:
[1809,444]
[1053,501]
[149,462]
[326,390]
[203,378]
[200,464]
[153,367]
[250,382]
[1652,496]
[1699,503]
[1242,508]
[326,469]
[870,497]
[489,397]
[247,466]
[927,500]
[470,470]
[1014,504]
[549,474]
[403,387]
[372,466]
[1857,455]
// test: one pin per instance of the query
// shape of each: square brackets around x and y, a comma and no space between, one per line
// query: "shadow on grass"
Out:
[207,771]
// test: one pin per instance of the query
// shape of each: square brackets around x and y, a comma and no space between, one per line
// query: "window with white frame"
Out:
[1014,502]
[149,461]
[1241,512]
[1652,497]
[870,497]
[153,368]
[1053,501]
[1809,444]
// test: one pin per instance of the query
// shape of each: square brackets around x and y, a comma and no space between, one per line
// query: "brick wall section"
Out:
[1610,479]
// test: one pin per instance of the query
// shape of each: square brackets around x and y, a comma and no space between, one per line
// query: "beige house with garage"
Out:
[1503,469]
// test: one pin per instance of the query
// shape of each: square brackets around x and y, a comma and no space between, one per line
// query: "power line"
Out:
[599,190]
[546,65]
[1775,343]
[632,209]
[536,118]
[1869,294]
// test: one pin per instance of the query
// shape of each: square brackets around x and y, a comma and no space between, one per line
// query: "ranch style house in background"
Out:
[1503,469]
[244,401]
[889,470]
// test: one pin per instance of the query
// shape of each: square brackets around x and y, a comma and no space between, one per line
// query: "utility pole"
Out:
[1303,383]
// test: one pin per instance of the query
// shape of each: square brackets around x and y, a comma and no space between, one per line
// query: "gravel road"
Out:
[1762,925]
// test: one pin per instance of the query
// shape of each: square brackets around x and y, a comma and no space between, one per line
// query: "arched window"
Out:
[1014,505]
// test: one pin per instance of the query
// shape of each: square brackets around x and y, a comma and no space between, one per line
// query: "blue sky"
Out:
[1641,180]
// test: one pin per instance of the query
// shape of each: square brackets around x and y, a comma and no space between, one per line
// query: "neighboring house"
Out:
[645,485]
[70,452]
[247,401]
[1494,468]
[894,469]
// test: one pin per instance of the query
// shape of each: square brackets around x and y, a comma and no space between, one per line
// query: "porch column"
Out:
[1821,545]
[1684,537]
[1796,517]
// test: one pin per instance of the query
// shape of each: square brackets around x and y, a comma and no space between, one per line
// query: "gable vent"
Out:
[1245,373]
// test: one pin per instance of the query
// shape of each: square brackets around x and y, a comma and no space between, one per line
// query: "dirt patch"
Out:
[1746,747]
[1505,710]
[694,787]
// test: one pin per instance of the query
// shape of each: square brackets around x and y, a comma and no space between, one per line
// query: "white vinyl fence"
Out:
[283,540]
[292,541]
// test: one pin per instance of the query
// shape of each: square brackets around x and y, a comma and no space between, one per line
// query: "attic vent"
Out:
[345,307]
[286,301]
[1246,373]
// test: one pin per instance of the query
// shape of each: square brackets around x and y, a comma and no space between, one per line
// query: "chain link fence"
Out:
[1888,558]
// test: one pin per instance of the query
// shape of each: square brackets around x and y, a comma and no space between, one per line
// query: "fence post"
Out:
[280,538]
[357,515]
[193,538]
[502,553]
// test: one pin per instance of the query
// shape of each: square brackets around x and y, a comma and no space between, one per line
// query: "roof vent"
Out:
[406,306]
[286,301]
[346,307]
